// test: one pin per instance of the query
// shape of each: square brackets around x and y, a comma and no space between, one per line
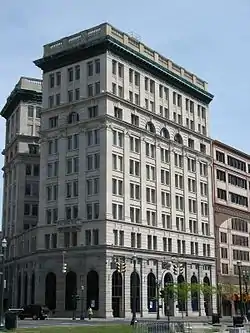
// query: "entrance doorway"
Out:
[117,301]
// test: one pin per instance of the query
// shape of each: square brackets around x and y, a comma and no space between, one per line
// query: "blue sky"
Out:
[210,38]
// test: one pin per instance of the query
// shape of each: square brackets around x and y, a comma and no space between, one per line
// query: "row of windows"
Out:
[233,197]
[150,105]
[118,138]
[92,209]
[93,138]
[232,179]
[70,239]
[167,244]
[74,73]
[232,161]
[225,269]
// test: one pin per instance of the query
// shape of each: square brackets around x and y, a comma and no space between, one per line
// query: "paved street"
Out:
[28,323]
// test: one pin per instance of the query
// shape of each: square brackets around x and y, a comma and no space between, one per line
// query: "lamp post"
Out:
[82,292]
[3,245]
[134,290]
[239,264]
[157,291]
[246,279]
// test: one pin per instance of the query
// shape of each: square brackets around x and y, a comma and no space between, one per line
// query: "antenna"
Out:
[134,35]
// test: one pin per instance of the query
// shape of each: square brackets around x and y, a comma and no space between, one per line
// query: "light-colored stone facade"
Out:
[125,170]
[22,112]
[231,215]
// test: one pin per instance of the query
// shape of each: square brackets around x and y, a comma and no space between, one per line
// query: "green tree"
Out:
[182,292]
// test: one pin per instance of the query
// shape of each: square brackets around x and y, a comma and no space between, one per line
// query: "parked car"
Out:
[34,311]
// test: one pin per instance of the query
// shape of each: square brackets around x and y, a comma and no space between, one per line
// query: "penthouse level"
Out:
[99,39]
[26,89]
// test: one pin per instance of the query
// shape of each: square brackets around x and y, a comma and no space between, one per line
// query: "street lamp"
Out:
[3,245]
[246,279]
[82,294]
[134,292]
[239,264]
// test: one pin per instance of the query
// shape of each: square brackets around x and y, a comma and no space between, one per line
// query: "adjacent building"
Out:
[232,217]
[125,175]
[21,169]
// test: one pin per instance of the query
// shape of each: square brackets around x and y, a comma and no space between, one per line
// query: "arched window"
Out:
[194,293]
[116,293]
[70,290]
[32,288]
[207,291]
[150,127]
[25,299]
[135,293]
[169,298]
[165,133]
[93,290]
[19,286]
[178,139]
[50,291]
[151,286]
[182,293]
[73,117]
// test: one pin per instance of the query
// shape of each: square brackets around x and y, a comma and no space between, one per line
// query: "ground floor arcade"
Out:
[94,277]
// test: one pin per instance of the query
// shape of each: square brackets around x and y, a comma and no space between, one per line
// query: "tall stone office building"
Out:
[22,112]
[125,174]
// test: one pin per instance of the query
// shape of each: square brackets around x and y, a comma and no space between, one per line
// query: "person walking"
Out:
[90,313]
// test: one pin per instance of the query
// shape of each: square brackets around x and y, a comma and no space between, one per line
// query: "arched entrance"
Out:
[32,288]
[19,286]
[151,287]
[93,290]
[25,289]
[117,300]
[50,290]
[207,294]
[70,290]
[169,295]
[135,291]
[181,293]
[194,294]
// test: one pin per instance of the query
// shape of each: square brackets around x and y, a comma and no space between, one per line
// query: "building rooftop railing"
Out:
[106,29]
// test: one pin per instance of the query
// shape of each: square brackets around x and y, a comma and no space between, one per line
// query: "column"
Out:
[82,174]
[105,291]
[200,281]
[158,184]
[43,179]
[198,195]
[143,182]
[126,178]
[127,289]
[172,191]
[210,204]
[62,144]
[144,288]
[213,284]
[185,192]
[106,136]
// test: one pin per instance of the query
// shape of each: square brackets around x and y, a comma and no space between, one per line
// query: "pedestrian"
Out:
[90,313]
[206,308]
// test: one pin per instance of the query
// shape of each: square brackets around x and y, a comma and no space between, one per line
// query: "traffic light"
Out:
[175,269]
[64,267]
[162,293]
[118,267]
[123,267]
[181,269]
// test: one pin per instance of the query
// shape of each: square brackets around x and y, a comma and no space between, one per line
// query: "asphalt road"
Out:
[29,323]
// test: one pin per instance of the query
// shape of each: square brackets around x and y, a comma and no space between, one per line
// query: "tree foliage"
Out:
[186,290]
